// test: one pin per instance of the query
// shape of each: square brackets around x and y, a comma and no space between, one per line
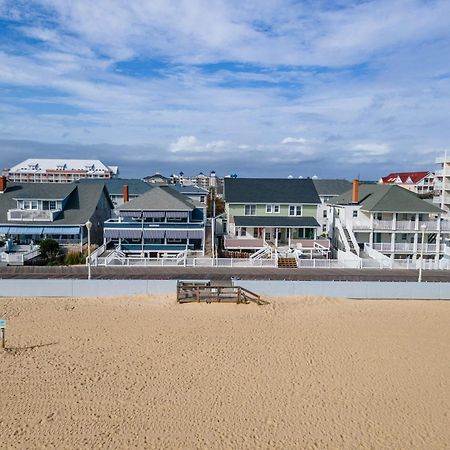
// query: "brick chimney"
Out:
[355,191]
[3,183]
[126,194]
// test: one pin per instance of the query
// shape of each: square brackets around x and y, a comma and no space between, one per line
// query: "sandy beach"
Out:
[297,373]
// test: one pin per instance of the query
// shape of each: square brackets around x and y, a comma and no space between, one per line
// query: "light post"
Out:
[88,228]
[423,227]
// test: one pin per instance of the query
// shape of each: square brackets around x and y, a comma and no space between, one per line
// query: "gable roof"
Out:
[80,207]
[404,177]
[270,190]
[159,198]
[331,186]
[387,198]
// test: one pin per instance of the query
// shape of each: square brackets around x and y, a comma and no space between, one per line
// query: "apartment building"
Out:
[59,171]
[373,219]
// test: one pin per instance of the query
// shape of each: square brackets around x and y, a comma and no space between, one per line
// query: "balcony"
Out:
[32,215]
[400,225]
[400,247]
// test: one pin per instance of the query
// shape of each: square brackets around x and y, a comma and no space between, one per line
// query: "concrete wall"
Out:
[115,288]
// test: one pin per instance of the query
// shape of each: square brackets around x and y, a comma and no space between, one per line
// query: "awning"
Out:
[131,233]
[4,230]
[154,214]
[177,214]
[111,233]
[195,234]
[25,230]
[176,234]
[153,234]
[130,213]
[57,231]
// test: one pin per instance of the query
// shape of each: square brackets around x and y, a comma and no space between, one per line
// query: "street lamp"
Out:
[88,227]
[423,227]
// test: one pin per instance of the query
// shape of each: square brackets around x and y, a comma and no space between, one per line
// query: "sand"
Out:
[298,373]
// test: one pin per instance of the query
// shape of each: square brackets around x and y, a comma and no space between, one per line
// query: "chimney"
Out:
[3,183]
[126,194]
[355,191]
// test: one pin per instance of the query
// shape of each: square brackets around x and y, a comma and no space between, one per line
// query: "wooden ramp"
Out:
[191,291]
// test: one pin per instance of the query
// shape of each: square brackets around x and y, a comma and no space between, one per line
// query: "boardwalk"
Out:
[222,273]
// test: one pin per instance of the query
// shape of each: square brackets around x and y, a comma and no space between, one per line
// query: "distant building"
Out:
[442,184]
[201,180]
[157,178]
[193,192]
[417,182]
[59,170]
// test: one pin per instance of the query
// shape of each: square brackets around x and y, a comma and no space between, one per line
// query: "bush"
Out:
[51,252]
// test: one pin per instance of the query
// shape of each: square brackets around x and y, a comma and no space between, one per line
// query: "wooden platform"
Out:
[191,291]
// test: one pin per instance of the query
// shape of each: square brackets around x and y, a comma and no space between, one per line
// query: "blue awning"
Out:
[57,231]
[25,230]
[4,230]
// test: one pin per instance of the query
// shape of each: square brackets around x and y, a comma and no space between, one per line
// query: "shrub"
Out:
[74,258]
[51,252]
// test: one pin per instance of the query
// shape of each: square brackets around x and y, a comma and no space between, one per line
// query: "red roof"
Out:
[415,177]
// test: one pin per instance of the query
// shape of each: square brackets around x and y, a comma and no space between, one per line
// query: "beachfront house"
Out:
[30,212]
[274,212]
[372,220]
[328,189]
[159,223]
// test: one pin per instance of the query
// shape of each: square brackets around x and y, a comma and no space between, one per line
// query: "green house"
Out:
[274,211]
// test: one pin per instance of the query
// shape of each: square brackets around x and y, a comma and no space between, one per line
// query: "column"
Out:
[264,235]
[276,237]
[416,241]
[289,230]
[394,221]
[393,245]
[417,222]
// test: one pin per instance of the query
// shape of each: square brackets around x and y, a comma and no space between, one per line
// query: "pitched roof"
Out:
[159,198]
[81,204]
[387,198]
[188,189]
[404,177]
[331,186]
[258,221]
[270,190]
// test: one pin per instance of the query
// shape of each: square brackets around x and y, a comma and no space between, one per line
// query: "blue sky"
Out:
[270,87]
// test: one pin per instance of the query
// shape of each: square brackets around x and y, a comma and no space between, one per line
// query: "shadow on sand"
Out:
[17,350]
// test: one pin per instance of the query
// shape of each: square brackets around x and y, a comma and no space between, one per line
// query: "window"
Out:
[355,213]
[243,231]
[276,208]
[250,210]
[202,199]
[324,213]
[255,232]
[272,209]
[269,208]
[295,210]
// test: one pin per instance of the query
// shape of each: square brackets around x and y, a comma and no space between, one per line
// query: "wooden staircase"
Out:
[287,263]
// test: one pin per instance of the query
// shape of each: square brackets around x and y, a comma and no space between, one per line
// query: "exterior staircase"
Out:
[350,241]
[287,263]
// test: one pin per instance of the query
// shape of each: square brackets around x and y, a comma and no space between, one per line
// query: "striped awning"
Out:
[195,234]
[177,214]
[153,234]
[176,234]
[57,231]
[130,233]
[130,213]
[25,230]
[111,233]
[4,230]
[153,213]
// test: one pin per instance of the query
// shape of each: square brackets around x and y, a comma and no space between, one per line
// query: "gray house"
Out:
[30,212]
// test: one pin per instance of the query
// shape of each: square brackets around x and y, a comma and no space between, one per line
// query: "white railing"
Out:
[361,225]
[265,252]
[406,247]
[19,258]
[31,215]
[343,236]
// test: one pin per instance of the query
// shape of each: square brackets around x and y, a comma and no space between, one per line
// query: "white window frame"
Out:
[296,210]
[251,208]
[269,209]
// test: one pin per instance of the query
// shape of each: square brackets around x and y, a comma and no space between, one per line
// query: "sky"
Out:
[331,88]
